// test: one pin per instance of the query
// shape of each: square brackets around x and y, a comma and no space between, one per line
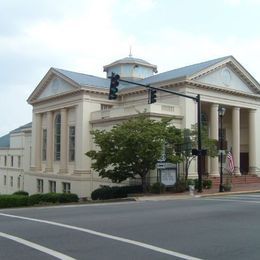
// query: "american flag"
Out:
[230,162]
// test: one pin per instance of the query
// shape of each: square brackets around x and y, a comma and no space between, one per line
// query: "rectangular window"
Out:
[5,160]
[39,185]
[19,161]
[72,143]
[44,144]
[12,161]
[57,137]
[11,181]
[52,186]
[66,187]
[4,179]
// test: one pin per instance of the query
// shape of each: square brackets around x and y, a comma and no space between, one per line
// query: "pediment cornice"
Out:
[236,67]
[50,75]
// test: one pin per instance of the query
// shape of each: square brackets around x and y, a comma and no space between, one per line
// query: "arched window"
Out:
[57,137]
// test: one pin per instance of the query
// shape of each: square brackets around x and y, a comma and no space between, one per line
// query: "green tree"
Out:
[130,149]
[189,141]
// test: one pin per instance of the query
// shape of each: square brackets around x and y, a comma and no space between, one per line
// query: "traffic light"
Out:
[113,86]
[152,96]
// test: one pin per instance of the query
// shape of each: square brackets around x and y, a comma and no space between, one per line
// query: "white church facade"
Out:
[48,155]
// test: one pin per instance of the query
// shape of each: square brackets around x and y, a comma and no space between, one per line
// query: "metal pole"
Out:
[221,188]
[199,145]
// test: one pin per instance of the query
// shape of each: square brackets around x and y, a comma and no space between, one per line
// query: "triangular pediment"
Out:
[225,77]
[54,87]
[53,84]
[228,74]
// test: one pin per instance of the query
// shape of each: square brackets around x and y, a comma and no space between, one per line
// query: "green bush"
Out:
[68,197]
[35,199]
[180,186]
[53,198]
[132,189]
[158,187]
[105,193]
[9,201]
[206,184]
[21,192]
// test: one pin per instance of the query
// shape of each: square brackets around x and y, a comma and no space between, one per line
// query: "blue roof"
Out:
[5,141]
[84,79]
[21,128]
[92,81]
[181,72]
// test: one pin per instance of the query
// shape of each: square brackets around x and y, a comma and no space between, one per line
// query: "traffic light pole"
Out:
[197,99]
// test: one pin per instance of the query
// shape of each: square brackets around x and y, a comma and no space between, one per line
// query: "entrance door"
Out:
[244,163]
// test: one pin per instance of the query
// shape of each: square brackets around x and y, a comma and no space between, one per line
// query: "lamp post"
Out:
[221,112]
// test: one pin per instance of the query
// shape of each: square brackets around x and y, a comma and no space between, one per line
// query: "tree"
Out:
[129,149]
[189,140]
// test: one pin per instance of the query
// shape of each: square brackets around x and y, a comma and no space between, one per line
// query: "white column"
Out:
[64,142]
[214,169]
[50,158]
[36,142]
[236,139]
[82,162]
[252,142]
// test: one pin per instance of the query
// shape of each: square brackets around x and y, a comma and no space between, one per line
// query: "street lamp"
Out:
[221,112]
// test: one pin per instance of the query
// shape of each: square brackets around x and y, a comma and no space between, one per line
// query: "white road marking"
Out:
[121,239]
[37,247]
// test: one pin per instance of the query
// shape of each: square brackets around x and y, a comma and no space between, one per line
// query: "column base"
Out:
[252,170]
[214,174]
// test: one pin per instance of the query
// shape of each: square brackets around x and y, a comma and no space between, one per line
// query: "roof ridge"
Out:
[184,71]
[81,73]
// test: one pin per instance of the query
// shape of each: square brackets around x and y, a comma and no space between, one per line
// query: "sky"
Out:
[85,35]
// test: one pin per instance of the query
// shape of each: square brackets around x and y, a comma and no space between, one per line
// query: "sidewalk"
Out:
[236,189]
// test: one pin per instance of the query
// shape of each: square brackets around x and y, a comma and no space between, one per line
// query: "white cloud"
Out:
[90,35]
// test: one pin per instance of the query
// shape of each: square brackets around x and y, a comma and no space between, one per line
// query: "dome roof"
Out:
[131,60]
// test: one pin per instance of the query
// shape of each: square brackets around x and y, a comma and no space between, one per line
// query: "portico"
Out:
[234,138]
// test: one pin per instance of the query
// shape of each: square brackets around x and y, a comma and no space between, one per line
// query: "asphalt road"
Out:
[225,227]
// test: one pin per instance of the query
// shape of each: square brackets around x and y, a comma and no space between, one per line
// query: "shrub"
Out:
[180,186]
[68,197]
[21,192]
[158,187]
[207,184]
[35,199]
[118,192]
[132,189]
[53,198]
[105,193]
[8,201]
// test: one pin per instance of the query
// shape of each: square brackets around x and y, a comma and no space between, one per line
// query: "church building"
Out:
[48,155]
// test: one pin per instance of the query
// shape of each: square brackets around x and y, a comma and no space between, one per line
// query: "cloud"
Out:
[85,36]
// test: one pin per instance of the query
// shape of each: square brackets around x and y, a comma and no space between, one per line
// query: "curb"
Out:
[228,193]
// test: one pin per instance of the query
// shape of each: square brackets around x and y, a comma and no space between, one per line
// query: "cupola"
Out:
[130,68]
